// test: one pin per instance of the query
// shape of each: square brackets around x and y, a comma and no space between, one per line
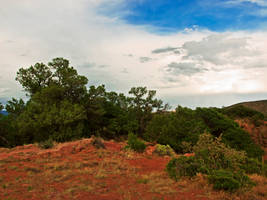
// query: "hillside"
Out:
[260,106]
[77,170]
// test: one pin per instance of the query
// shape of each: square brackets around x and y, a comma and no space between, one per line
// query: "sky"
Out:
[194,53]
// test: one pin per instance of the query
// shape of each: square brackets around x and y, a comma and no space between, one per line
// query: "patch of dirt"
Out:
[77,170]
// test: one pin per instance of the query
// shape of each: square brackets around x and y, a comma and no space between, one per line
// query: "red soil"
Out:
[77,170]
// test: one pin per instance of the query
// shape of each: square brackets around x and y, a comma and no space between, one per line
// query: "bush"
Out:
[240,111]
[164,150]
[253,166]
[229,181]
[216,155]
[222,164]
[183,166]
[135,144]
[98,142]
[232,135]
[47,144]
[174,128]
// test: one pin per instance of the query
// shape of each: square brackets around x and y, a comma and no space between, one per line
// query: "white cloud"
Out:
[258,2]
[33,31]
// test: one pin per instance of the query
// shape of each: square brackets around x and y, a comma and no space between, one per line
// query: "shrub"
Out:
[183,166]
[174,128]
[164,150]
[47,144]
[135,144]
[253,166]
[240,111]
[229,181]
[216,155]
[98,143]
[232,135]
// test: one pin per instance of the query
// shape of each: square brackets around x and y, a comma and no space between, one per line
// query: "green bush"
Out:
[214,154]
[232,135]
[229,181]
[222,164]
[175,128]
[164,150]
[253,166]
[240,111]
[47,144]
[183,166]
[135,144]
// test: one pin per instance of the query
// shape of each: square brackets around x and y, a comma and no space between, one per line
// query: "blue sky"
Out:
[192,52]
[215,15]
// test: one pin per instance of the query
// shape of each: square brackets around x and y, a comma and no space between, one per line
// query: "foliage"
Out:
[142,103]
[135,144]
[164,150]
[98,143]
[232,135]
[175,128]
[240,111]
[229,181]
[47,144]
[45,118]
[253,166]
[183,166]
[1,107]
[214,154]
[56,73]
[8,130]
[15,107]
[212,157]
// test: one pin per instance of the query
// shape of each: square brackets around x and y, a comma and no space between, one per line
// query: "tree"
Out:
[15,107]
[55,109]
[34,78]
[45,116]
[142,104]
[59,73]
[1,106]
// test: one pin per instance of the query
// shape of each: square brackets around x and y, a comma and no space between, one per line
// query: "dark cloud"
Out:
[186,69]
[164,50]
[144,59]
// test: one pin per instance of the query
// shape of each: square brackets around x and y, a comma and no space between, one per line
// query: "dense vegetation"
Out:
[225,167]
[61,108]
[240,111]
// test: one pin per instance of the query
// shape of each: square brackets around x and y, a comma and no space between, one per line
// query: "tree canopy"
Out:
[62,108]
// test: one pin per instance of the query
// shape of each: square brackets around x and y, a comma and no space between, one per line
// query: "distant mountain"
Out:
[260,106]
[3,112]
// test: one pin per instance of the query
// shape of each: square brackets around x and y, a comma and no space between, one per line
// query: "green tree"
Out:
[1,106]
[142,103]
[15,107]
[34,78]
[47,116]
[59,73]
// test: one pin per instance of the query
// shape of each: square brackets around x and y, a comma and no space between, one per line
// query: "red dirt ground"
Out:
[77,170]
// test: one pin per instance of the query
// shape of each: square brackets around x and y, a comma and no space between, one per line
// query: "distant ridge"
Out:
[3,112]
[260,106]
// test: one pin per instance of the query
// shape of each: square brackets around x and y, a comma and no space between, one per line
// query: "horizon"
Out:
[208,53]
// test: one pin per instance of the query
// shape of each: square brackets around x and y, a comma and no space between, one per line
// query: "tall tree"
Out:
[59,73]
[15,107]
[142,104]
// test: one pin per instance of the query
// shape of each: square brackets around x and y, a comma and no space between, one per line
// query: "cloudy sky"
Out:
[193,52]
